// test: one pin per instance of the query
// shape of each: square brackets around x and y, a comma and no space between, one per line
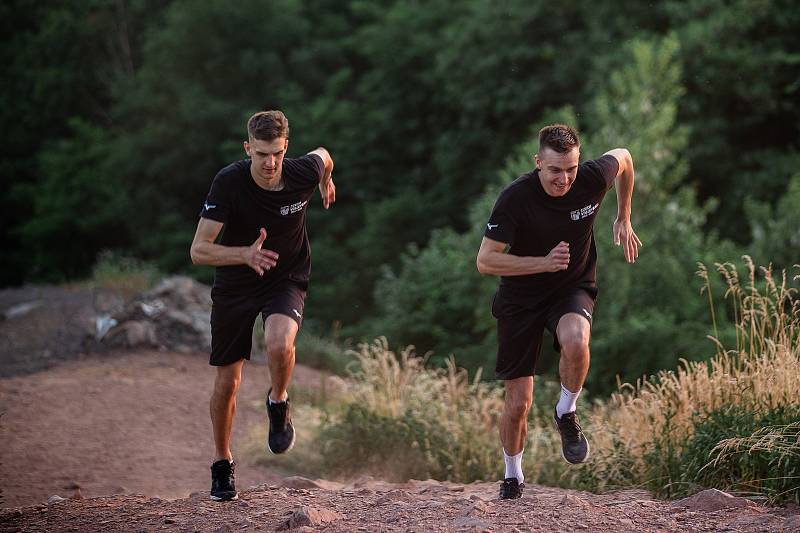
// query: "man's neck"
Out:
[273,184]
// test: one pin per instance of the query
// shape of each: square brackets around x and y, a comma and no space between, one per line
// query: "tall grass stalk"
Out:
[415,421]
[644,426]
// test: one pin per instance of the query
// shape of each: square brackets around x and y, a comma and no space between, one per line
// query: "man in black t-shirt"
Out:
[263,262]
[540,240]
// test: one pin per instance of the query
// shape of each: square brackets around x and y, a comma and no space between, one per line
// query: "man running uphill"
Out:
[263,262]
[545,218]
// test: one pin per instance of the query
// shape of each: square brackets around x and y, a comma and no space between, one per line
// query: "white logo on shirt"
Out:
[297,313]
[491,226]
[583,212]
[588,314]
[293,208]
[208,206]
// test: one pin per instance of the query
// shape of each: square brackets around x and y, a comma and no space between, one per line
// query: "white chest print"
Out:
[583,212]
[293,208]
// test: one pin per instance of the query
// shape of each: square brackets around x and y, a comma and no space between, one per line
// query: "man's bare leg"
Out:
[514,420]
[279,336]
[223,407]
[573,332]
[513,431]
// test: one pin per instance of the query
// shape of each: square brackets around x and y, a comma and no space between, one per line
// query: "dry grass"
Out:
[439,405]
[761,373]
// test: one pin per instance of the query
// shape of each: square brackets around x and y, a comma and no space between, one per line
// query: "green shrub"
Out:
[404,420]
[114,270]
[323,353]
[753,453]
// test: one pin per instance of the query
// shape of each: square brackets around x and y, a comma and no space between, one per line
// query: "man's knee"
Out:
[573,336]
[227,383]
[280,347]
[575,346]
[517,408]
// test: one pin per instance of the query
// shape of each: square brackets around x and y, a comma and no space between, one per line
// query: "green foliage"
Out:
[322,353]
[121,272]
[648,313]
[776,231]
[72,206]
[769,465]
[397,449]
[742,102]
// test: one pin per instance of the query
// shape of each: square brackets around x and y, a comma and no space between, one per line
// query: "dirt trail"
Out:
[134,427]
[376,506]
[132,422]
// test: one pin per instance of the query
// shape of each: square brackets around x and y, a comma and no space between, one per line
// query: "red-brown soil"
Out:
[131,430]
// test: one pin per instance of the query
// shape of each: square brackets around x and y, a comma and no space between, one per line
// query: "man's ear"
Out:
[537,161]
[246,148]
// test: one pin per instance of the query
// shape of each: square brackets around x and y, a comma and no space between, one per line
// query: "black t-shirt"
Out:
[238,202]
[532,222]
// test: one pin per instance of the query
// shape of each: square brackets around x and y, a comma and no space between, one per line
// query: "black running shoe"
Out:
[511,489]
[574,446]
[223,487]
[281,430]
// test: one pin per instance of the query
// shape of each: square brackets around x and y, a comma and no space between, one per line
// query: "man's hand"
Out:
[328,192]
[624,234]
[258,259]
[558,258]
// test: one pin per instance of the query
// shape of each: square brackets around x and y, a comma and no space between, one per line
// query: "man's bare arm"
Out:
[493,260]
[205,251]
[623,231]
[327,189]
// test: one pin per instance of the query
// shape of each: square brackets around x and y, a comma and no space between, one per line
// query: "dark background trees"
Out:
[118,113]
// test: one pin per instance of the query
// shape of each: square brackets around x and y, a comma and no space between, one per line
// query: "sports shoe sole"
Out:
[588,449]
[225,498]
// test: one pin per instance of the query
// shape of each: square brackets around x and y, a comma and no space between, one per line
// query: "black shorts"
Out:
[233,317]
[520,329]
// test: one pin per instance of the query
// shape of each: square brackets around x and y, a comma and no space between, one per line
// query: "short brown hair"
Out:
[267,126]
[558,137]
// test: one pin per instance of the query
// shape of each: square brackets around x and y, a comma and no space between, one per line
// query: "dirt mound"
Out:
[377,506]
[173,316]
[47,324]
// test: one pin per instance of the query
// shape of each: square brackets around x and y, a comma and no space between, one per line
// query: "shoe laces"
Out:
[278,410]
[570,427]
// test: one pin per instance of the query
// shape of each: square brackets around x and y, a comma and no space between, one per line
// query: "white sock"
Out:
[566,404]
[514,466]
[273,402]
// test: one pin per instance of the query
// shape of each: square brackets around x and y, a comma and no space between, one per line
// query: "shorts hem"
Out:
[215,362]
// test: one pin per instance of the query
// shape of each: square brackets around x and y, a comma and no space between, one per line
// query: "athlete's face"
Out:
[266,156]
[557,171]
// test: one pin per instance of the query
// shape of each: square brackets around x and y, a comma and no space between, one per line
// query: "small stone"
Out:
[479,507]
[55,498]
[713,500]
[626,522]
[309,516]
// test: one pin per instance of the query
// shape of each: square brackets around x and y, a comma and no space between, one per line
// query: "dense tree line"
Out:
[119,112]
